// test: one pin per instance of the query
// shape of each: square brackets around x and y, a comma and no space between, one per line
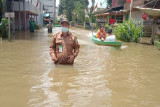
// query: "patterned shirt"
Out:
[64,46]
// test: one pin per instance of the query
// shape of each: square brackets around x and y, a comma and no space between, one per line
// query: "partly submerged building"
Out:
[120,11]
[104,16]
[24,10]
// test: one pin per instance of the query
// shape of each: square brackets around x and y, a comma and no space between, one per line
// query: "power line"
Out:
[155,4]
[148,3]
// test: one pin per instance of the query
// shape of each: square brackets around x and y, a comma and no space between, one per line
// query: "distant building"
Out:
[49,6]
[120,11]
[106,15]
[57,8]
[24,10]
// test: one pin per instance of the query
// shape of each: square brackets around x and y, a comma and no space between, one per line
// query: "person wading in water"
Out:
[64,48]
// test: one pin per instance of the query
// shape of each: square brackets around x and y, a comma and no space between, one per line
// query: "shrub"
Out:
[56,22]
[72,23]
[129,31]
[0,29]
[4,28]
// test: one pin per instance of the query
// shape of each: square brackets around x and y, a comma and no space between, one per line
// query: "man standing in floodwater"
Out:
[64,48]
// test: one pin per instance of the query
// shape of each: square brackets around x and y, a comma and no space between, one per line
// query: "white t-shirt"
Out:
[111,38]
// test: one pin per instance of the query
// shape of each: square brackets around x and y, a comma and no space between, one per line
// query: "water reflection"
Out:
[79,89]
[63,80]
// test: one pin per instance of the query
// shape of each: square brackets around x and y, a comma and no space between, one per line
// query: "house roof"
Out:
[127,10]
[100,15]
[117,8]
[102,11]
[112,11]
[155,13]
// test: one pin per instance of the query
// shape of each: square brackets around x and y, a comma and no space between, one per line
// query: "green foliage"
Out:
[3,28]
[0,10]
[0,30]
[107,26]
[3,6]
[129,31]
[75,10]
[92,18]
[158,45]
[56,22]
[109,2]
[79,13]
[126,16]
[72,23]
[67,6]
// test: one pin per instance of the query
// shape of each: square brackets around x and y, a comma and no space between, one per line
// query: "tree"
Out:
[68,6]
[0,10]
[91,14]
[3,8]
[109,2]
[79,12]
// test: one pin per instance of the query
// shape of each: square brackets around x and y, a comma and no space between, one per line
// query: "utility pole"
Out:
[24,9]
[130,16]
[19,13]
[54,9]
[13,21]
[9,15]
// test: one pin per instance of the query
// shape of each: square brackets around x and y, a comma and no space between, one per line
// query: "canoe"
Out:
[57,25]
[158,45]
[112,44]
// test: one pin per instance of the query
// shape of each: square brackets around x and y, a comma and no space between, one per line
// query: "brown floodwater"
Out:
[101,76]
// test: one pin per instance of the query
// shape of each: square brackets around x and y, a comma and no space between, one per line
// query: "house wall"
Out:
[115,3]
[40,20]
[137,16]
[135,3]
[29,7]
[50,6]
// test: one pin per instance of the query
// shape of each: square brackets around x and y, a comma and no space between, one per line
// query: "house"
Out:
[120,11]
[104,16]
[24,10]
[140,7]
[49,8]
[101,15]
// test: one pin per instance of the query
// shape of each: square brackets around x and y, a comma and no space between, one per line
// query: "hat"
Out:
[65,20]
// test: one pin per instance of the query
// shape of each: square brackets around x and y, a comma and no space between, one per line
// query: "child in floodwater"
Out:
[101,34]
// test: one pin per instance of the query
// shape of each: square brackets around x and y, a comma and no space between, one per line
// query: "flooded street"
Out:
[101,76]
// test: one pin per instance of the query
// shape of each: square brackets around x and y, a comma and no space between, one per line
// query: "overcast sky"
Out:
[97,1]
